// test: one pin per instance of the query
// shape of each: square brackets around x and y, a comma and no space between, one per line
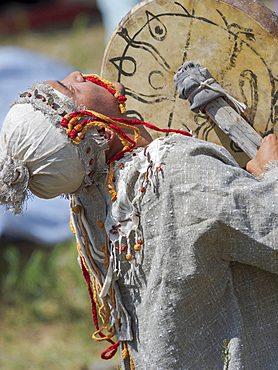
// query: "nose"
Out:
[79,77]
[74,77]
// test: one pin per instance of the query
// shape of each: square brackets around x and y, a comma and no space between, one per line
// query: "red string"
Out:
[113,348]
[134,122]
[73,133]
[100,83]
[94,308]
[64,123]
[130,122]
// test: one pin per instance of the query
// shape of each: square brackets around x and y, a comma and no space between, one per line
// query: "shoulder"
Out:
[185,147]
[189,160]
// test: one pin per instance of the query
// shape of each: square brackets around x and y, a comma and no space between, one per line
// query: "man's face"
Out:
[87,94]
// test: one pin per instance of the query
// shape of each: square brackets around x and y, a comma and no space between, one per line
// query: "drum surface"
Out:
[236,40]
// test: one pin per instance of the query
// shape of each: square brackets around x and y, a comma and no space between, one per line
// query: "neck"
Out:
[116,146]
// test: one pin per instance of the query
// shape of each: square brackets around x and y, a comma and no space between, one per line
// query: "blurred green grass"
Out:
[45,312]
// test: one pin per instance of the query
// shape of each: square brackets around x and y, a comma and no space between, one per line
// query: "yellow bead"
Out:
[78,127]
[67,117]
[129,257]
[137,247]
[73,121]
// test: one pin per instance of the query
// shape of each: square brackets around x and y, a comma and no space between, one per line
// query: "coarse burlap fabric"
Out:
[53,162]
[209,269]
[188,81]
[37,154]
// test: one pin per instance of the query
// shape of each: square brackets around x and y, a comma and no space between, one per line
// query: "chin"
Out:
[120,87]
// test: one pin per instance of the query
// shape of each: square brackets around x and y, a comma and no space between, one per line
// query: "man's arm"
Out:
[237,209]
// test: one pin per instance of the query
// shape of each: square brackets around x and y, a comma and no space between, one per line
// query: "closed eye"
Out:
[64,86]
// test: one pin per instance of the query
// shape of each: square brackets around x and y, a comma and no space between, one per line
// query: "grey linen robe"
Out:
[209,269]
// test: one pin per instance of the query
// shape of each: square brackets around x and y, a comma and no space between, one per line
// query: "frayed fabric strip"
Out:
[14,179]
[197,85]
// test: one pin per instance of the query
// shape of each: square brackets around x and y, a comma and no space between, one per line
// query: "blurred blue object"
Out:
[45,222]
[112,12]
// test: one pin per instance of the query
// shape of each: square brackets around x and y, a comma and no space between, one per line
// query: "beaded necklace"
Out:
[76,126]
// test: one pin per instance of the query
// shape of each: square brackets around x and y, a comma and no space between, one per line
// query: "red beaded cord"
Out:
[122,249]
[77,131]
[113,123]
[100,120]
[137,123]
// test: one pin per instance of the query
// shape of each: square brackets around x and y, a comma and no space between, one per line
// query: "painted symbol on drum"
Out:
[153,51]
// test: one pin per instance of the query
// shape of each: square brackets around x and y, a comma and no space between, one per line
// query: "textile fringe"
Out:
[104,309]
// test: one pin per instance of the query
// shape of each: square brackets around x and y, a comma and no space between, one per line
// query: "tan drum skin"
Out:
[236,40]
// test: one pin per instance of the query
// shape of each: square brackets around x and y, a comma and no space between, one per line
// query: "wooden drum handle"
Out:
[232,124]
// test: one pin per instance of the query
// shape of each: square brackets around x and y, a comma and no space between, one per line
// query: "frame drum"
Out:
[236,40]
